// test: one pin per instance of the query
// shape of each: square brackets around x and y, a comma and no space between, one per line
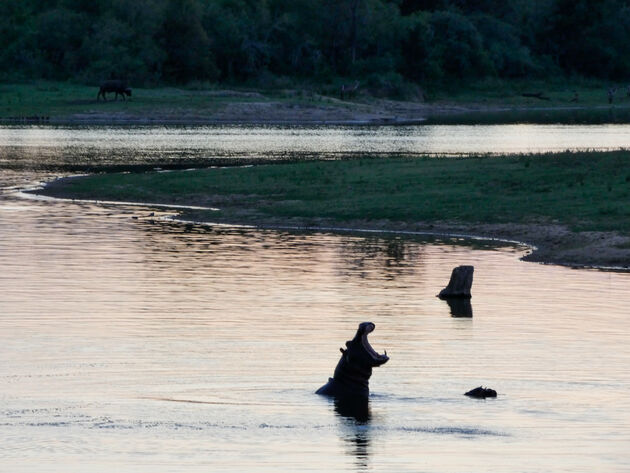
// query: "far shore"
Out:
[377,113]
[64,103]
[582,225]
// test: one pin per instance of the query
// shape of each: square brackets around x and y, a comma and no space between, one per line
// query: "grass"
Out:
[585,191]
[509,92]
[60,100]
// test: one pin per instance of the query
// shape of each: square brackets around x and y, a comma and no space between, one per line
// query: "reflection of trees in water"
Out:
[387,258]
[375,258]
[355,415]
[369,258]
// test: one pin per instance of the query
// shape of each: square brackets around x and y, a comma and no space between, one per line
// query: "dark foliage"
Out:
[385,43]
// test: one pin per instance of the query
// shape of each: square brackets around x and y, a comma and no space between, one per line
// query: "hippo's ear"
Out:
[342,351]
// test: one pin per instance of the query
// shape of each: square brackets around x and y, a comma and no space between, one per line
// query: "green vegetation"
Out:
[395,48]
[586,191]
[61,99]
[508,92]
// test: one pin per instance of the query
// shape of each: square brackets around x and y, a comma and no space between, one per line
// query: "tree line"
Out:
[384,42]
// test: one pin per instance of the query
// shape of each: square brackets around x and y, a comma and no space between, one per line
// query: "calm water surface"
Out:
[74,146]
[134,345]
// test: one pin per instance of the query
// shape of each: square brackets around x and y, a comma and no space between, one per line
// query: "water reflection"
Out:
[101,312]
[107,147]
[355,416]
[377,257]
[460,307]
[356,408]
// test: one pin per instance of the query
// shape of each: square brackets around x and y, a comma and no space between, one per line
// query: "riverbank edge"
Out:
[406,114]
[548,243]
[61,104]
[281,114]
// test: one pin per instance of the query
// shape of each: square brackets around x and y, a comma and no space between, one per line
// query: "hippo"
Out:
[352,374]
[481,393]
[117,86]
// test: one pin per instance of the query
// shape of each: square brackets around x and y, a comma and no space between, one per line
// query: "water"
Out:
[75,146]
[135,345]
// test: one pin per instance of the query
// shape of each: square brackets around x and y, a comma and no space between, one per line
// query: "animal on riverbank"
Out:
[352,374]
[118,87]
[348,91]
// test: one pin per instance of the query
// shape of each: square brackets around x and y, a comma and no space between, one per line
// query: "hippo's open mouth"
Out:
[352,373]
[366,328]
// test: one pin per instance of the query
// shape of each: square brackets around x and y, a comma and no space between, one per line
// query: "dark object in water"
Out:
[481,393]
[357,408]
[118,87]
[352,374]
[460,307]
[460,283]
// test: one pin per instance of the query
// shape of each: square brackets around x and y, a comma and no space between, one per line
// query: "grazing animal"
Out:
[349,90]
[352,374]
[118,87]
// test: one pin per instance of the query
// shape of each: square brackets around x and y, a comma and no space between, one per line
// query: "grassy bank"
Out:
[553,92]
[67,102]
[581,195]
[62,101]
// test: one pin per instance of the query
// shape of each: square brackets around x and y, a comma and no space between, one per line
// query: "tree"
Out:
[185,43]
[59,38]
[457,48]
[589,37]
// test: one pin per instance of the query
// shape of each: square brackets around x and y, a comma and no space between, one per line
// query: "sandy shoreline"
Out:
[550,243]
[336,112]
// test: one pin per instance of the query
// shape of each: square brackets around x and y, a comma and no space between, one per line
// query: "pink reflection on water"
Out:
[105,320]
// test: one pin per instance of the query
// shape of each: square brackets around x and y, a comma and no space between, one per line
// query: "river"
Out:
[45,146]
[132,344]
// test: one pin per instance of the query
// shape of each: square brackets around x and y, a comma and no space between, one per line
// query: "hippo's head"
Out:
[360,352]
[352,374]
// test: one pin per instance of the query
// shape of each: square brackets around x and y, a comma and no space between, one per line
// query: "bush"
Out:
[392,85]
[508,56]
[457,48]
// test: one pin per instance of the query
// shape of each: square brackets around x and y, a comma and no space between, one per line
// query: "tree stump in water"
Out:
[460,283]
